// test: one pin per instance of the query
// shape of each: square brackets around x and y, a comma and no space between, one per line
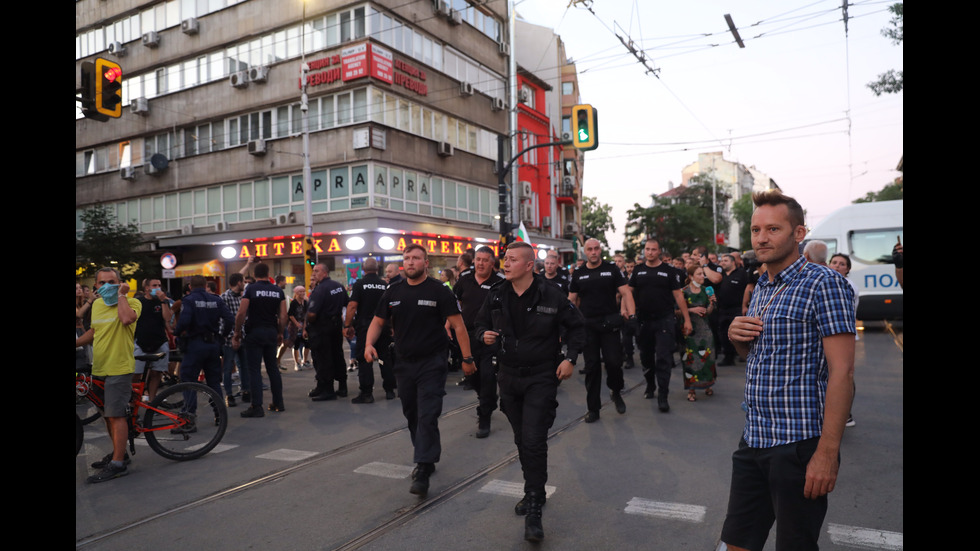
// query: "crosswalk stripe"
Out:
[387,470]
[865,538]
[675,511]
[287,455]
[510,489]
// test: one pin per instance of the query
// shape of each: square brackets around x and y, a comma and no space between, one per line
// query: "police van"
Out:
[867,232]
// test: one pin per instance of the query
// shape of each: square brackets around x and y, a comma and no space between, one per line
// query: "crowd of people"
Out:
[516,333]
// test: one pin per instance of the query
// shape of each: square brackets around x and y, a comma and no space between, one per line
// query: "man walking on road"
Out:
[418,309]
[594,288]
[657,292]
[364,298]
[112,335]
[798,338]
[526,317]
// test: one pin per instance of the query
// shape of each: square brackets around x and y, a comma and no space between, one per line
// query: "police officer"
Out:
[262,314]
[364,298]
[553,272]
[471,290]
[525,317]
[418,309]
[325,331]
[198,329]
[657,289]
[594,288]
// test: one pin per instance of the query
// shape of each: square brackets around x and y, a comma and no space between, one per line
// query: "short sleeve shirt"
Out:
[112,349]
[263,304]
[653,290]
[597,289]
[418,316]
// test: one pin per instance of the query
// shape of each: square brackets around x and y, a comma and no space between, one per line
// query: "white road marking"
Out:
[674,511]
[511,489]
[865,538]
[286,455]
[387,470]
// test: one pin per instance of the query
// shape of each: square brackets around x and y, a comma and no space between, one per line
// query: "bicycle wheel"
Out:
[86,410]
[185,421]
[79,434]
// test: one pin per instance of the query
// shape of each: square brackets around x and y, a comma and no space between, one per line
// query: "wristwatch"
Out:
[468,360]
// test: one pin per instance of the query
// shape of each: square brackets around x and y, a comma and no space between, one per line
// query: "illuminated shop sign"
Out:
[354,244]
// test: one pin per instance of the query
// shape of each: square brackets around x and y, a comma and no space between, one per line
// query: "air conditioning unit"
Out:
[127,173]
[523,95]
[151,39]
[221,226]
[117,49]
[258,73]
[190,26]
[465,89]
[527,213]
[503,48]
[187,229]
[256,147]
[566,136]
[497,104]
[566,181]
[456,17]
[546,222]
[445,149]
[526,190]
[140,106]
[441,7]
[239,79]
[571,227]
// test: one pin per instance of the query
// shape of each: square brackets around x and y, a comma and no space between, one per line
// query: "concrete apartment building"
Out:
[406,100]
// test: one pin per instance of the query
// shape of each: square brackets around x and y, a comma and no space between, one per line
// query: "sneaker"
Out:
[850,421]
[277,407]
[283,368]
[253,411]
[617,399]
[363,399]
[101,464]
[108,472]
[230,401]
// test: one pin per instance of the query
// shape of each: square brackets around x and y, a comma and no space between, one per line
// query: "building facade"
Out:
[406,101]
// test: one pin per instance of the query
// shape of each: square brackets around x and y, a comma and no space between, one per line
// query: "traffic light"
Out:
[585,134]
[101,89]
[309,259]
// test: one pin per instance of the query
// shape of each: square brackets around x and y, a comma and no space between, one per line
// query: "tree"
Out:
[680,222]
[106,242]
[891,192]
[742,213]
[597,220]
[892,81]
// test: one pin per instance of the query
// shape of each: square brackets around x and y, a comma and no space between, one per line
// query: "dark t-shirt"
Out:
[418,317]
[263,304]
[471,295]
[653,290]
[560,280]
[597,289]
[367,293]
[151,328]
[731,290]
[327,303]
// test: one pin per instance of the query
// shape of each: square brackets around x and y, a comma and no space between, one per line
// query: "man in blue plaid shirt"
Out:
[798,338]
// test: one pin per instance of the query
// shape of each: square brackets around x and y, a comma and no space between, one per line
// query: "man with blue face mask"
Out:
[113,329]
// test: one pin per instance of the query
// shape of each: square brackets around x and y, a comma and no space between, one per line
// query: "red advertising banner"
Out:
[382,64]
[354,62]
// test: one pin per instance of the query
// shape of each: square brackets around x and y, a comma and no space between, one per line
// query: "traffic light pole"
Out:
[506,226]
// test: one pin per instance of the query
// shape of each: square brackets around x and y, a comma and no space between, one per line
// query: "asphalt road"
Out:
[334,475]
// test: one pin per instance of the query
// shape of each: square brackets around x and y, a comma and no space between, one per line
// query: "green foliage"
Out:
[680,224]
[892,81]
[106,242]
[597,220]
[742,213]
[891,192]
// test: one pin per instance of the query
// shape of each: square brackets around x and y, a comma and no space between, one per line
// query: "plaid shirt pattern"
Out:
[786,375]
[233,303]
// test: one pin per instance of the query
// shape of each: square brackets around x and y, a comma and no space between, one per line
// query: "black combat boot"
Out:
[533,531]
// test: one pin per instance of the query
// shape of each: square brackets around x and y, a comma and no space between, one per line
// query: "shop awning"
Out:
[214,268]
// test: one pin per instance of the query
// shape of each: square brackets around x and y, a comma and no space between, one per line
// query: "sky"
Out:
[793,103]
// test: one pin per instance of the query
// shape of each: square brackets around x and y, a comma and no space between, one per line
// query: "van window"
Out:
[874,246]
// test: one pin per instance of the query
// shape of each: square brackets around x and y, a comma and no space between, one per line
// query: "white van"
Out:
[867,232]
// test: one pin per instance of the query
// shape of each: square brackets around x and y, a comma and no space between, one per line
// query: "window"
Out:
[567,88]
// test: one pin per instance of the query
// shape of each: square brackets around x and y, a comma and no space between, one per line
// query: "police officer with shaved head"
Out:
[364,298]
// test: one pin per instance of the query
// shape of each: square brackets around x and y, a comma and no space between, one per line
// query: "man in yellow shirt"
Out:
[113,331]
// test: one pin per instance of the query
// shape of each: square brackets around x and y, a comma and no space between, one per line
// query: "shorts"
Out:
[767,487]
[159,365]
[118,393]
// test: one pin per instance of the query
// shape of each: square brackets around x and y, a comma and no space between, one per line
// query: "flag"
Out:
[521,234]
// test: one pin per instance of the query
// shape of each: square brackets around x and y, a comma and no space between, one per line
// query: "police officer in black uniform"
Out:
[325,331]
[198,330]
[364,298]
[262,314]
[418,309]
[554,273]
[527,319]
[657,290]
[471,290]
[730,292]
[594,287]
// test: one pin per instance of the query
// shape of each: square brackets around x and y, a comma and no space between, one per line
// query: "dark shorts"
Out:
[767,487]
[118,391]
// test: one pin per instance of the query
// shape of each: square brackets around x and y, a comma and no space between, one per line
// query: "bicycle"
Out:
[170,423]
[88,411]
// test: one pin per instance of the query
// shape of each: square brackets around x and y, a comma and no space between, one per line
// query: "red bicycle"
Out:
[185,421]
